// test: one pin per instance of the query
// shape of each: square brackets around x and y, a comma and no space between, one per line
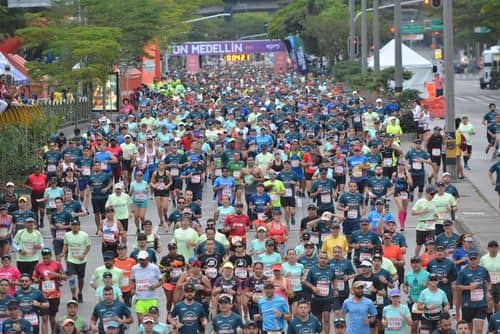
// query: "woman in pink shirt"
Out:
[438,82]
[10,272]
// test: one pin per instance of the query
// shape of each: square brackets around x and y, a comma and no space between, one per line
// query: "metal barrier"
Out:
[70,113]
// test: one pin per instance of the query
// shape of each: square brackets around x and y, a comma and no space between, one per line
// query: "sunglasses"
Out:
[339,326]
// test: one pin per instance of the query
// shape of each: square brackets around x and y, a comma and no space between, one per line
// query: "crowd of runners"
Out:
[261,147]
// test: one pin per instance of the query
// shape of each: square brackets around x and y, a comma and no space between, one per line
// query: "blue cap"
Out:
[112,324]
[394,292]
[194,158]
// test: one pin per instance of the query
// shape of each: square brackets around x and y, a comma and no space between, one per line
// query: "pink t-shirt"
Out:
[13,275]
[438,81]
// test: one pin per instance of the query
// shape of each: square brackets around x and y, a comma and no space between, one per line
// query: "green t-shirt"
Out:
[235,168]
[181,237]
[117,276]
[76,243]
[428,216]
[277,189]
[129,150]
[26,241]
[121,204]
[443,204]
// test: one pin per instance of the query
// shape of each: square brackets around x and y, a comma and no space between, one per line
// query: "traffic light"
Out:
[436,3]
[392,29]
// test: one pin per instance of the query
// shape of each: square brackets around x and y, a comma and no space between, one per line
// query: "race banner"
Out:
[228,47]
[298,54]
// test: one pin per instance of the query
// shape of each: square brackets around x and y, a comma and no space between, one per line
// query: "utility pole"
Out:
[398,62]
[449,87]
[352,29]
[364,38]
[376,36]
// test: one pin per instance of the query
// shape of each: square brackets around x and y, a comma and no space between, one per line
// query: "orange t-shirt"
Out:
[425,258]
[126,266]
[393,252]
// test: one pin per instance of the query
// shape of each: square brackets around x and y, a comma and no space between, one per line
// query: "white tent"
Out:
[412,61]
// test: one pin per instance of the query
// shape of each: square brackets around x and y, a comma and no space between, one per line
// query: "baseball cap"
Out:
[366,263]
[308,244]
[251,323]
[10,184]
[378,100]
[188,287]
[13,304]
[118,186]
[447,222]
[446,174]
[228,265]
[415,259]
[358,284]
[326,216]
[261,228]
[72,301]
[143,255]
[339,321]
[306,236]
[112,324]
[23,199]
[67,321]
[224,300]
[311,206]
[75,221]
[394,292]
[108,255]
[46,251]
[148,319]
[418,141]
[29,220]
[364,221]
[107,274]
[440,248]
[430,190]
[473,254]
[172,245]
[6,257]
[153,309]
[433,277]
[276,266]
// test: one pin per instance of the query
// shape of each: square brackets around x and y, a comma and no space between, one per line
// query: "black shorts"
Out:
[127,165]
[436,160]
[76,269]
[418,181]
[414,316]
[469,313]
[53,307]
[297,296]
[161,193]
[495,292]
[124,223]
[339,179]
[5,242]
[177,184]
[420,130]
[424,236]
[309,176]
[320,306]
[99,206]
[338,302]
[388,171]
[26,267]
[288,202]
[58,246]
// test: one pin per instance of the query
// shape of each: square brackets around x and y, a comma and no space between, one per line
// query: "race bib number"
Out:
[60,234]
[227,192]
[49,286]
[295,282]
[324,289]
[379,300]
[175,272]
[142,285]
[3,232]
[387,162]
[430,225]
[352,214]
[51,168]
[416,165]
[127,155]
[161,186]
[108,237]
[85,170]
[357,119]
[340,285]
[477,295]
[28,247]
[51,204]
[314,238]
[76,251]
[295,163]
[196,178]
[288,192]
[436,152]
[394,324]
[275,197]
[268,272]
[174,172]
[140,197]
[125,281]
[211,272]
[310,133]
[339,169]
[241,272]
[326,198]
[261,216]
[357,172]
[32,318]
[365,256]
[236,174]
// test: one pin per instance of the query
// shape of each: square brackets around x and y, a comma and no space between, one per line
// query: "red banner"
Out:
[151,63]
[192,63]
[280,63]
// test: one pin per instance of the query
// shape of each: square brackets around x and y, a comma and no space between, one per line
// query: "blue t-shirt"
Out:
[415,281]
[356,313]
[227,325]
[267,307]
[374,218]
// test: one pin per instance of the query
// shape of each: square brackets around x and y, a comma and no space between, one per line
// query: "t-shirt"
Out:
[437,298]
[477,297]
[267,307]
[76,243]
[121,204]
[189,315]
[277,188]
[230,324]
[181,237]
[293,273]
[419,205]
[492,264]
[107,312]
[144,277]
[99,292]
[48,286]
[140,190]
[26,241]
[443,204]
[356,313]
[321,278]
[309,326]
[26,298]
[116,272]
[330,242]
[415,281]
[396,324]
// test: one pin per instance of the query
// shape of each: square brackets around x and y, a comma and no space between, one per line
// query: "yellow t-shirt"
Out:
[330,242]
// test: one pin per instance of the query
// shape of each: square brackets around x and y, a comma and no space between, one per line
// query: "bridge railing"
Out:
[70,114]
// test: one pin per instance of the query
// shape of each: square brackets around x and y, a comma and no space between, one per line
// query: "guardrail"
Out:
[70,113]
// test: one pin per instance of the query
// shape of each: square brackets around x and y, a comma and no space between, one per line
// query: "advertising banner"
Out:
[228,47]
[151,63]
[106,98]
[298,54]
[280,62]
[192,63]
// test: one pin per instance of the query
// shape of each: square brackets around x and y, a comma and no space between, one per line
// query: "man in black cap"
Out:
[339,324]
[323,191]
[251,327]
[445,271]
[33,302]
[448,238]
[142,240]
[304,321]
[312,214]
[15,323]
[226,318]
[417,157]
[72,314]
[188,315]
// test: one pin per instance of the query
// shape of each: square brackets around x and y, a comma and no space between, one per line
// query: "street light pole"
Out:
[364,38]
[449,87]
[376,36]
[352,29]
[398,62]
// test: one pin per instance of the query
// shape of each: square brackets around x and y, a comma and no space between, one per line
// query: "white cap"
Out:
[378,100]
[366,263]
[143,255]
[10,184]
[119,185]
[326,215]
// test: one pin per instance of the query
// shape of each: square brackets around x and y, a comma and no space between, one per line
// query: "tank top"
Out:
[434,145]
[141,161]
[277,168]
[110,234]
[5,223]
[161,179]
[400,183]
[151,156]
[196,282]
[66,166]
[70,184]
[277,234]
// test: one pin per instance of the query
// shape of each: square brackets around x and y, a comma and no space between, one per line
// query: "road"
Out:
[470,101]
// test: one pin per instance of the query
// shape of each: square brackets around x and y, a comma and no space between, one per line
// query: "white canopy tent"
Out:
[412,61]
